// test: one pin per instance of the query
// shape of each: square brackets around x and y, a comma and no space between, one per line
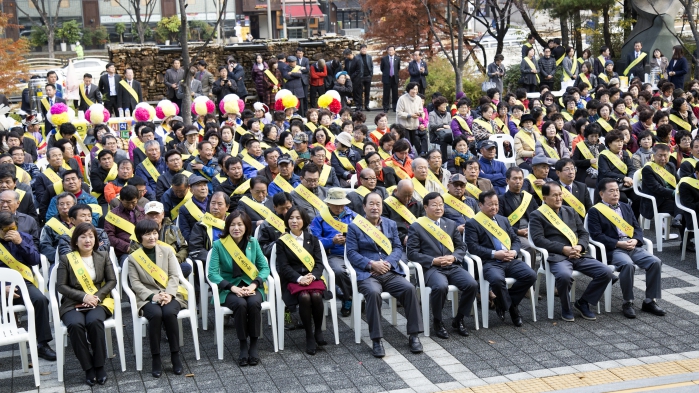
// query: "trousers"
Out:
[439,282]
[163,317]
[342,278]
[390,95]
[497,272]
[41,313]
[84,325]
[624,262]
[247,314]
[398,287]
[563,272]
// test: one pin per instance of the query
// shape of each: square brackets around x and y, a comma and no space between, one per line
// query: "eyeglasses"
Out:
[569,169]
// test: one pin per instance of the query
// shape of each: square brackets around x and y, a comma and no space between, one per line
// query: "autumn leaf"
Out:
[12,56]
[189,376]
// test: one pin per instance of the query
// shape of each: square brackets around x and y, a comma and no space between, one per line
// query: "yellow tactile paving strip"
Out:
[592,378]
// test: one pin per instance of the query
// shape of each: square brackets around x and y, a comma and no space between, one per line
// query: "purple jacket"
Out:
[456,128]
[258,78]
[513,128]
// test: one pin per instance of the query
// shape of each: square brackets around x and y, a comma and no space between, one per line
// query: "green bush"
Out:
[510,81]
[441,79]
[69,32]
[38,37]
[168,29]
[204,30]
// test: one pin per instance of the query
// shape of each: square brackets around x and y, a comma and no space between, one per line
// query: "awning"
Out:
[297,11]
[347,5]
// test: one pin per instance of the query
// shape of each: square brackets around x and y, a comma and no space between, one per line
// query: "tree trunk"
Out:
[186,110]
[51,41]
[565,31]
[577,22]
[530,24]
[628,10]
[458,74]
[606,31]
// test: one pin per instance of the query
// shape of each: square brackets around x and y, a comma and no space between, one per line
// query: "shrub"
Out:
[38,37]
[441,79]
[168,29]
[69,32]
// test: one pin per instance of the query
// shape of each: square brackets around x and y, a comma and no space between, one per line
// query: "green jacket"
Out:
[221,268]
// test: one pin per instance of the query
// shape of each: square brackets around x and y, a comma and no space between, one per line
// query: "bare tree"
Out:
[140,12]
[500,22]
[46,22]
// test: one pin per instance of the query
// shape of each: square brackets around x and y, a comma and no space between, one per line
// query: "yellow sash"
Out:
[311,127]
[18,266]
[462,123]
[376,134]
[242,131]
[692,160]
[473,190]
[436,232]
[536,188]
[247,158]
[243,188]
[573,202]
[419,188]
[359,145]
[689,180]
[486,125]
[84,96]
[45,102]
[500,123]
[239,257]
[581,60]
[585,80]
[130,89]
[113,172]
[664,174]
[634,63]
[121,224]
[567,116]
[615,219]
[282,183]
[401,209]
[434,178]
[603,77]
[363,191]
[271,77]
[324,174]
[80,271]
[399,171]
[301,253]
[573,70]
[219,178]
[527,137]
[21,194]
[155,271]
[615,160]
[194,210]
[66,166]
[212,222]
[550,151]
[374,233]
[518,213]
[383,154]
[263,211]
[55,179]
[330,220]
[151,169]
[561,226]
[458,205]
[560,60]
[531,65]
[678,120]
[344,161]
[96,208]
[585,151]
[499,233]
[176,210]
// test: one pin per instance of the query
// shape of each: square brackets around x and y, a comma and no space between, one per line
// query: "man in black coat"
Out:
[88,91]
[663,189]
[108,87]
[566,255]
[125,97]
[687,166]
[367,73]
[236,74]
[418,71]
[353,67]
[566,171]
[499,260]
[46,104]
[456,189]
[390,68]
[689,197]
[305,67]
[442,262]
[43,187]
[639,68]
[404,194]
[510,201]
[356,196]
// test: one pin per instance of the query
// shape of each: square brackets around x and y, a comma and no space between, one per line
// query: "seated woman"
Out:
[243,293]
[158,300]
[525,142]
[300,266]
[460,154]
[85,304]
[585,155]
[552,147]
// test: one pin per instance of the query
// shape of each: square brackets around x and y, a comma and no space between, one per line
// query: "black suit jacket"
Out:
[93,95]
[103,85]
[47,123]
[68,285]
[689,196]
[423,247]
[125,99]
[481,243]
[509,202]
[415,74]
[579,190]
[303,62]
[290,267]
[639,68]
[654,185]
[385,67]
[546,236]
[602,230]
[354,68]
[686,169]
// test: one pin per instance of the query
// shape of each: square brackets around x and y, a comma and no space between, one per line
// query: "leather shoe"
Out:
[516,318]
[45,352]
[101,375]
[378,350]
[458,325]
[102,380]
[584,309]
[414,344]
[501,313]
[628,311]
[567,315]
[653,308]
[90,377]
[243,362]
[440,331]
[253,361]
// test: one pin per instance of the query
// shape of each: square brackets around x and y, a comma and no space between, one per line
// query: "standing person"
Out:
[273,81]
[636,61]
[129,93]
[172,79]
[367,75]
[294,78]
[570,65]
[530,75]
[547,69]
[304,67]
[46,104]
[408,112]
[496,71]
[89,94]
[258,75]
[236,74]
[418,71]
[390,67]
[318,73]
[52,78]
[353,68]
[658,64]
[195,89]
[558,52]
[205,78]
[678,67]
[601,60]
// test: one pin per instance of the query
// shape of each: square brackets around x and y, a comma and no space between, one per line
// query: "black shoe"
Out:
[501,313]
[677,223]
[628,311]
[320,340]
[458,325]
[45,352]
[414,344]
[176,363]
[378,350]
[253,361]
[653,308]
[516,318]
[583,308]
[690,247]
[385,110]
[90,379]
[157,369]
[243,362]
[440,331]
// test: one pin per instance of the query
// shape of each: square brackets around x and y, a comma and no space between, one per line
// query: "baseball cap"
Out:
[488,144]
[301,137]
[284,158]
[457,178]
[194,179]
[154,207]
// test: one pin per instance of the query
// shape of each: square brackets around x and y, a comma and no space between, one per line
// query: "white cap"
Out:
[154,207]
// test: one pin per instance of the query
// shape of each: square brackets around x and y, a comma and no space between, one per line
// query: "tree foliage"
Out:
[69,32]
[12,56]
[168,29]
[401,23]
[140,13]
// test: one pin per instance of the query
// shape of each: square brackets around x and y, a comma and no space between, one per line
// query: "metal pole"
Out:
[270,20]
[286,35]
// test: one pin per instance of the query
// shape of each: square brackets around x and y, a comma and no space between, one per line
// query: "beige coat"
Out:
[143,285]
[522,149]
[405,108]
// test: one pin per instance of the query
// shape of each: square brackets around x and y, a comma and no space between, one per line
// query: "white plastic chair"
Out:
[485,287]
[328,273]
[695,231]
[353,181]
[500,139]
[358,298]
[661,220]
[453,295]
[10,333]
[61,331]
[220,311]
[140,322]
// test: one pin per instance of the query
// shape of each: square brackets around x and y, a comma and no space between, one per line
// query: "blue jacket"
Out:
[361,249]
[274,188]
[249,171]
[494,171]
[25,252]
[325,233]
[185,220]
[169,201]
[210,169]
[83,198]
[151,184]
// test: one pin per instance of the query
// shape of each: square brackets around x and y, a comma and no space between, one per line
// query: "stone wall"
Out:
[150,62]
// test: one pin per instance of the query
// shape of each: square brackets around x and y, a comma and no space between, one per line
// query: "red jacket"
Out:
[318,77]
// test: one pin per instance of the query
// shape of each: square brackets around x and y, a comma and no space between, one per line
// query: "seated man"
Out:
[421,182]
[9,201]
[474,183]
[491,237]
[194,209]
[234,185]
[124,173]
[256,204]
[435,243]
[140,185]
[272,229]
[559,230]
[205,232]
[330,229]
[76,215]
[660,181]
[169,234]
[309,195]
[120,222]
[613,224]
[105,171]
[575,193]
[49,183]
[205,165]
[8,181]
[72,182]
[19,253]
[368,180]
[374,249]
[57,226]
[491,168]
[328,177]
[689,196]
[537,178]
[173,159]
[403,209]
[17,156]
[176,196]
[517,205]
[286,172]
[457,207]
[151,167]
[253,160]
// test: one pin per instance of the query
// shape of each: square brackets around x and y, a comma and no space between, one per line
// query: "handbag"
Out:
[294,288]
[487,85]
